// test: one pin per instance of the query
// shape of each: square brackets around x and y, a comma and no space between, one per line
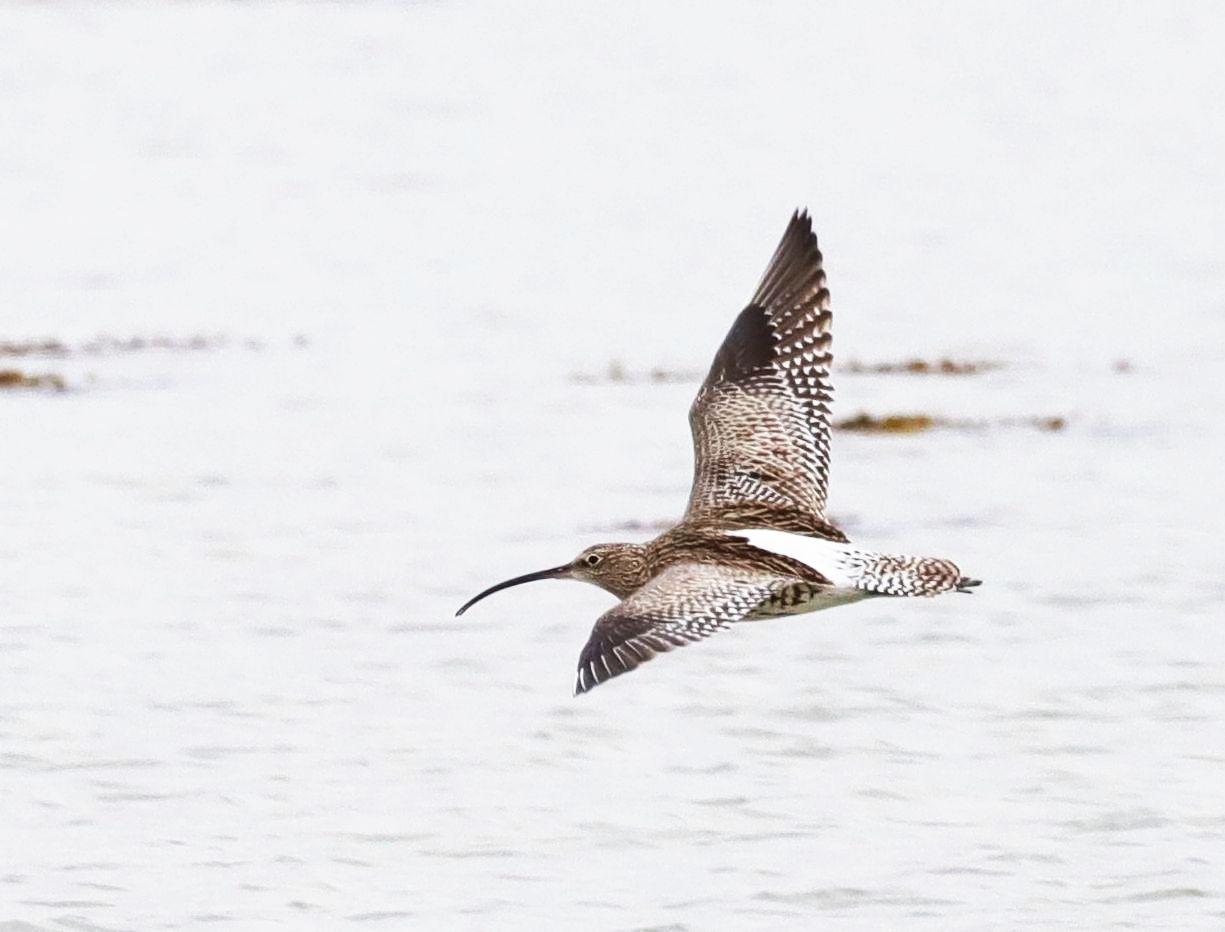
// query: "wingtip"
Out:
[580,683]
[795,267]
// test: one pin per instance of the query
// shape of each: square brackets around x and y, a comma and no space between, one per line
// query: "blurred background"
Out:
[315,319]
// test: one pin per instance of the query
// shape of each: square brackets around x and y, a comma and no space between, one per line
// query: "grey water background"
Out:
[414,239]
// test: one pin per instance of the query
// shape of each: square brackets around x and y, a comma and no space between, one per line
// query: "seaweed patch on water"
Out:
[916,366]
[109,345]
[1051,423]
[33,348]
[889,424]
[916,423]
[195,343]
[105,345]
[633,527]
[618,374]
[16,378]
[659,525]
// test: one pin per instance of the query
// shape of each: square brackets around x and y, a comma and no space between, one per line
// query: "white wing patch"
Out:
[849,568]
[827,557]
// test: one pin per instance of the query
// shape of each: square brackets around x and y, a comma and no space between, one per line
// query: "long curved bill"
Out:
[558,572]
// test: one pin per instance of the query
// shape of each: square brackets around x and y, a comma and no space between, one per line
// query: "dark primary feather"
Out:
[761,419]
[684,603]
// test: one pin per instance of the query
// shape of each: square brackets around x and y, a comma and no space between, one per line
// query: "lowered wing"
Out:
[685,603]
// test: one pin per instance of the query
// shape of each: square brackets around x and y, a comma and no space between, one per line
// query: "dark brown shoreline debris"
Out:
[15,378]
[34,348]
[105,345]
[1052,423]
[633,527]
[916,366]
[616,373]
[915,423]
[194,343]
[889,424]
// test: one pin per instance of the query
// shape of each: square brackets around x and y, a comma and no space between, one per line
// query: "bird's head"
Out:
[617,568]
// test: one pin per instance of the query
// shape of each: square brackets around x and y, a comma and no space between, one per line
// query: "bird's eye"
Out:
[592,559]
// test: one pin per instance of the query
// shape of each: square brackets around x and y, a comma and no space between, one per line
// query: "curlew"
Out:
[754,541]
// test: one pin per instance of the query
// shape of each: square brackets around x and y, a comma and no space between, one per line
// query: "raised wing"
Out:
[684,603]
[761,419]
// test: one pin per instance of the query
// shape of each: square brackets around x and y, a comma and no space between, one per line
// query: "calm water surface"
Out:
[231,687]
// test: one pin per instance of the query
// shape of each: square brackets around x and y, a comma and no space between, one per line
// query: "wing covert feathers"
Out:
[685,603]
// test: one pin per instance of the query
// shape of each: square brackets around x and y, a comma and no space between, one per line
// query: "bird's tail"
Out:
[845,566]
[892,574]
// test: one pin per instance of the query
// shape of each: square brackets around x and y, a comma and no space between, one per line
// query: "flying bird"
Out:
[754,541]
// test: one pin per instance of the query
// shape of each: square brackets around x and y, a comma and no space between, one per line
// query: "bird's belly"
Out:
[803,598]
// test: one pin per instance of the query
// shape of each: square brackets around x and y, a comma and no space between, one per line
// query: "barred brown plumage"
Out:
[761,419]
[754,541]
[684,603]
